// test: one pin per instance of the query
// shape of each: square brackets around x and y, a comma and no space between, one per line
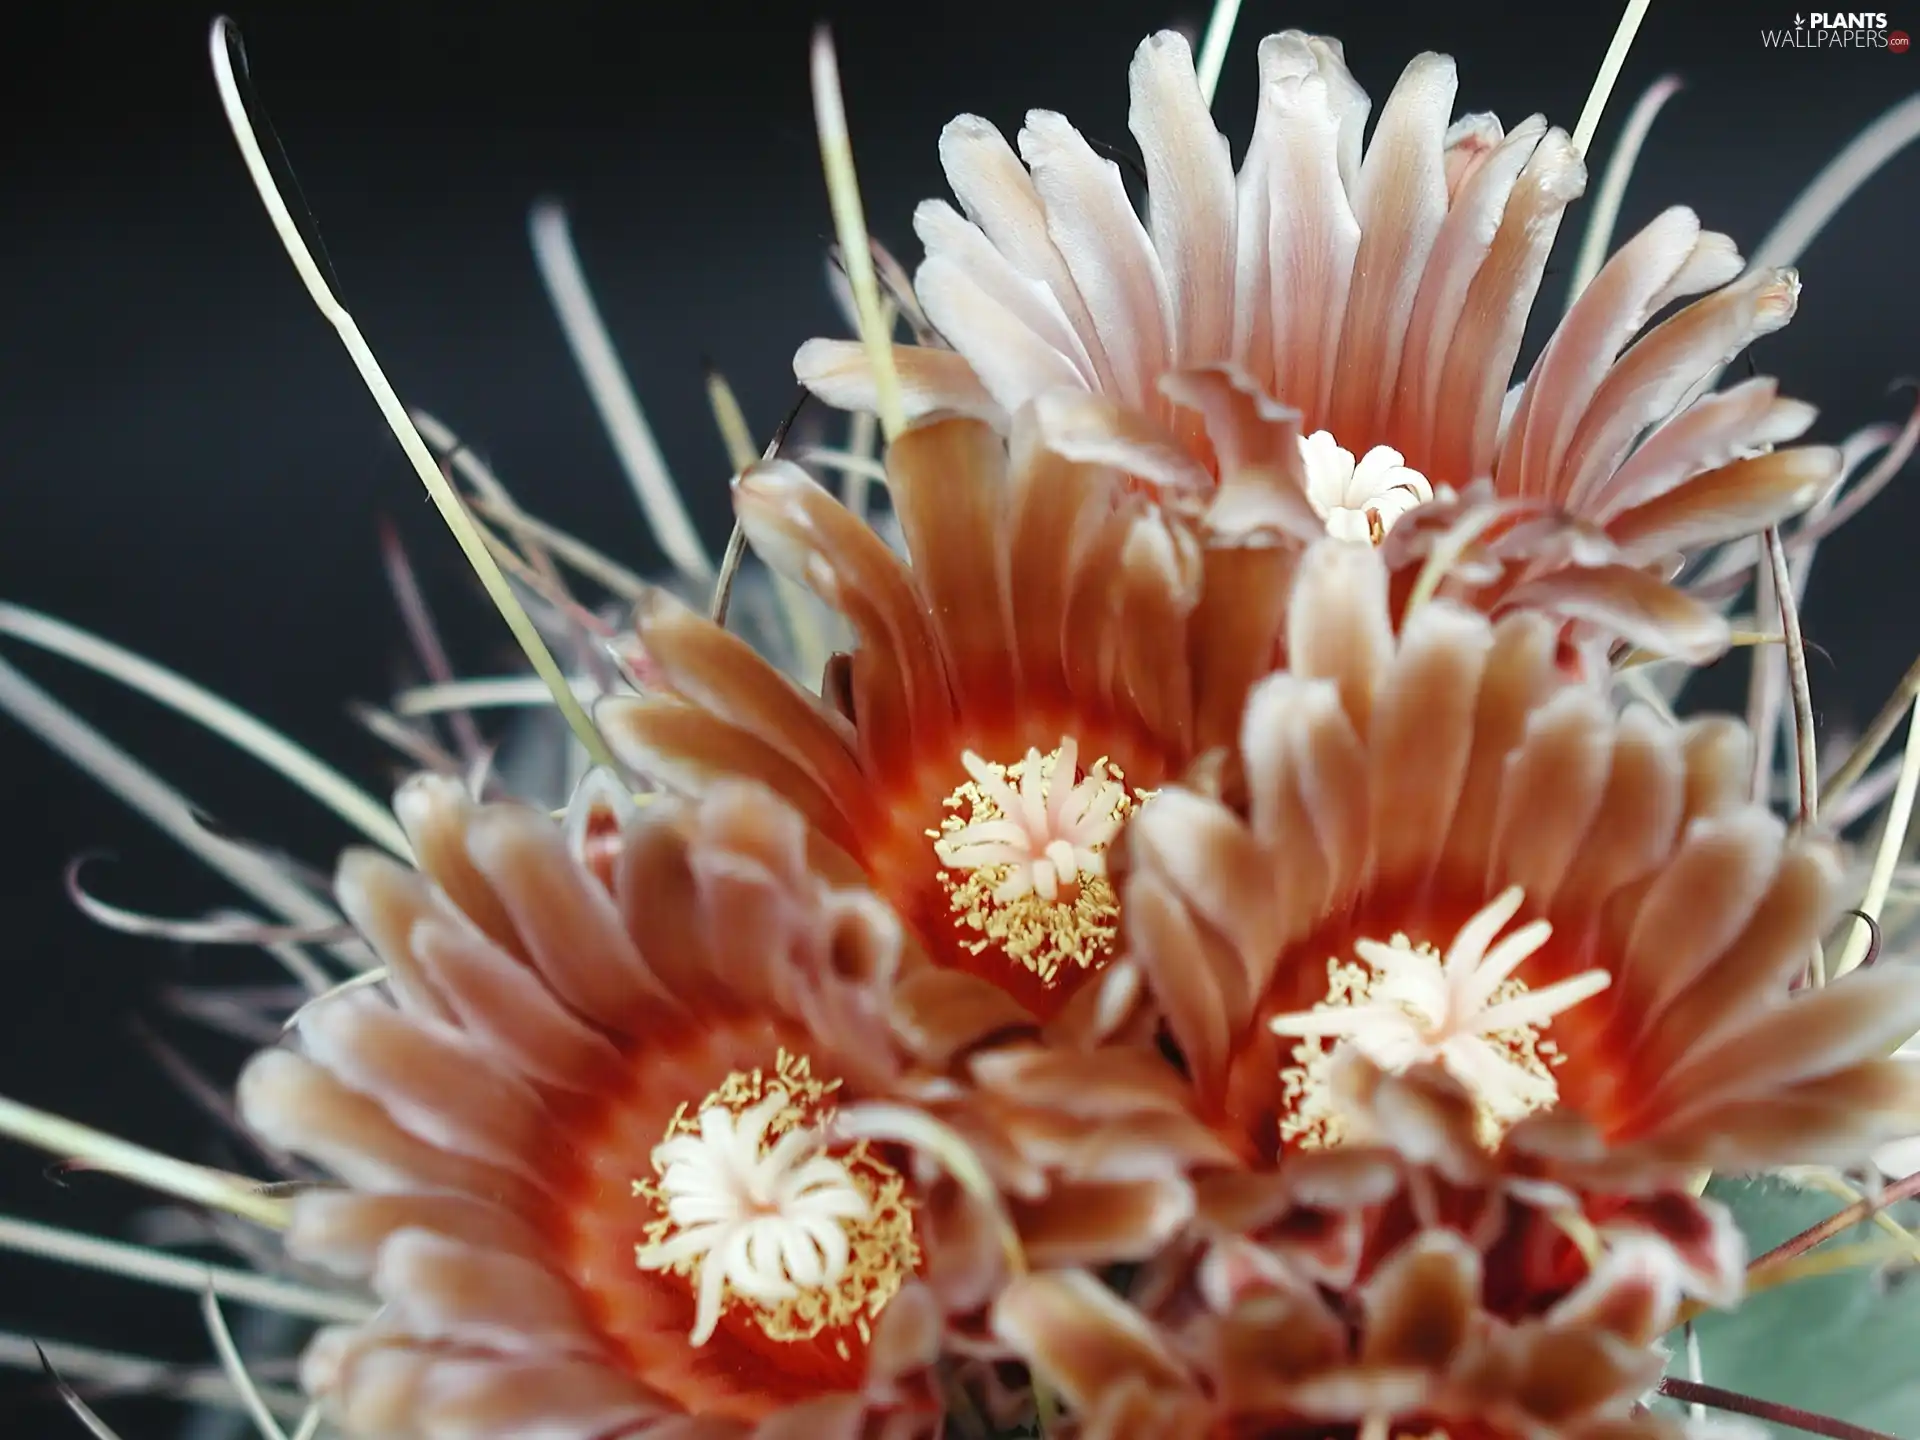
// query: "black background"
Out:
[189,466]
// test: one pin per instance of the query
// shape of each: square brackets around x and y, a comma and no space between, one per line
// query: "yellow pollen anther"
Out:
[1023,857]
[755,1213]
[1360,501]
[1401,1005]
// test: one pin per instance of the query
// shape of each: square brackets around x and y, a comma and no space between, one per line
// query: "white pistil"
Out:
[1051,831]
[1359,502]
[1422,1008]
[766,1225]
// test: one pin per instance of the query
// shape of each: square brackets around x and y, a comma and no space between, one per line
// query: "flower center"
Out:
[765,1223]
[1359,501]
[1402,1004]
[1023,851]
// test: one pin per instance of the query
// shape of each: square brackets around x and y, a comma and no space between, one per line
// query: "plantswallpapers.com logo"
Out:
[1837,30]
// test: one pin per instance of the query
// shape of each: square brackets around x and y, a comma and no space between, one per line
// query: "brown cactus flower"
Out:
[596,1138]
[1370,301]
[1437,855]
[1413,1351]
[1053,648]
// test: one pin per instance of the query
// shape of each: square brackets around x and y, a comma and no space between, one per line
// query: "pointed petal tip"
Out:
[498,836]
[1166,46]
[371,886]
[969,127]
[421,794]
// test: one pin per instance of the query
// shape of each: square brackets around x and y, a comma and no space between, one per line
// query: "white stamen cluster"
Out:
[1360,501]
[766,1225]
[1050,832]
[1461,1012]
